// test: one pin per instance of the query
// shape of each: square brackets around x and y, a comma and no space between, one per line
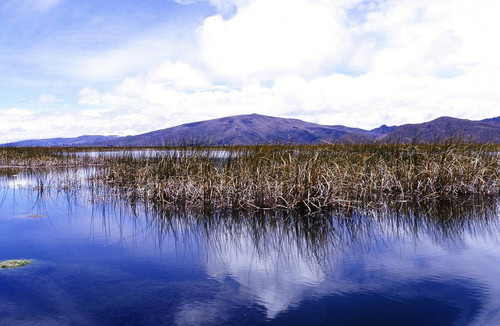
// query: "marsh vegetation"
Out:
[304,179]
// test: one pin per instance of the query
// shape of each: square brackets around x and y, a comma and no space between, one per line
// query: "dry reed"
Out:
[306,178]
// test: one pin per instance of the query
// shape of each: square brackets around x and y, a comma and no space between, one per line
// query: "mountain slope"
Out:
[86,140]
[492,120]
[260,129]
[445,128]
[244,130]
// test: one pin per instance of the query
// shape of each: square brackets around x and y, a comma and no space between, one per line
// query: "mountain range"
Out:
[261,129]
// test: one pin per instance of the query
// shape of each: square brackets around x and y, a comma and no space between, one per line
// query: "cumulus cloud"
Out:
[365,101]
[15,112]
[17,124]
[150,101]
[265,39]
[271,38]
[89,96]
[178,75]
[428,37]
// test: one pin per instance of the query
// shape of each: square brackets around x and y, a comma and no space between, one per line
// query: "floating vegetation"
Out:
[15,263]
[34,216]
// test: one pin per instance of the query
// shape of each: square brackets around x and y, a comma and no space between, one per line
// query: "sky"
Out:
[120,67]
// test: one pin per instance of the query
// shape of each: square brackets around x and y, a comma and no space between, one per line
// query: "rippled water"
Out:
[113,263]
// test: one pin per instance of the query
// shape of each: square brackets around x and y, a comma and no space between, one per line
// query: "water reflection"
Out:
[425,255]
[280,262]
[102,257]
[156,153]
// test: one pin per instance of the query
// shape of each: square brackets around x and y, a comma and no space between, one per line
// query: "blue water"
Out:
[110,263]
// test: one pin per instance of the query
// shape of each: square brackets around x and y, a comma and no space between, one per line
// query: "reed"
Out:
[305,179]
[38,157]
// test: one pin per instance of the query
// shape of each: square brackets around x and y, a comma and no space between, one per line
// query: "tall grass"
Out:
[38,157]
[306,178]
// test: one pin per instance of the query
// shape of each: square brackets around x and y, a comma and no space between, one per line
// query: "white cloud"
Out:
[144,104]
[178,75]
[151,101]
[16,124]
[280,274]
[267,39]
[366,101]
[276,278]
[271,38]
[429,37]
[89,96]
[14,112]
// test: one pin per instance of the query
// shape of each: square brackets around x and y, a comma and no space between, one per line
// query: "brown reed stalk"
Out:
[308,178]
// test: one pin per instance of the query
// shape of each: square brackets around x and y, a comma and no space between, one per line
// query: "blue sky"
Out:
[70,67]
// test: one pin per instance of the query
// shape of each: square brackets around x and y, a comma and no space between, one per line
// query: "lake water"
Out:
[112,263]
[157,153]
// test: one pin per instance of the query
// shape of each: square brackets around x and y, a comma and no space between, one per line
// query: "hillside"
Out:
[245,130]
[261,129]
[445,128]
[87,140]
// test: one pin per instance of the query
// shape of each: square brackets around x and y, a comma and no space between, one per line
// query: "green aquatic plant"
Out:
[15,263]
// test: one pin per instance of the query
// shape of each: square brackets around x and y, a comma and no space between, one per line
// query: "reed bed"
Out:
[305,179]
[40,157]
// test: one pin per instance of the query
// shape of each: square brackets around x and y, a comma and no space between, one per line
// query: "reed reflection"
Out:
[318,238]
[400,252]
[280,259]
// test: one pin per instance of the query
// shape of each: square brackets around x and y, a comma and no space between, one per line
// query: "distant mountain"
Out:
[445,128]
[381,131]
[261,129]
[492,120]
[244,130]
[87,140]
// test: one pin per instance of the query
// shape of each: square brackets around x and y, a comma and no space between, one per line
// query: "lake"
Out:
[105,261]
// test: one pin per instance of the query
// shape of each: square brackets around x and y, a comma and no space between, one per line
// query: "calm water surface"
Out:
[112,263]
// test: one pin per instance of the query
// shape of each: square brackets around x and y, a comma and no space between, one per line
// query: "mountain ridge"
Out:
[262,129]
